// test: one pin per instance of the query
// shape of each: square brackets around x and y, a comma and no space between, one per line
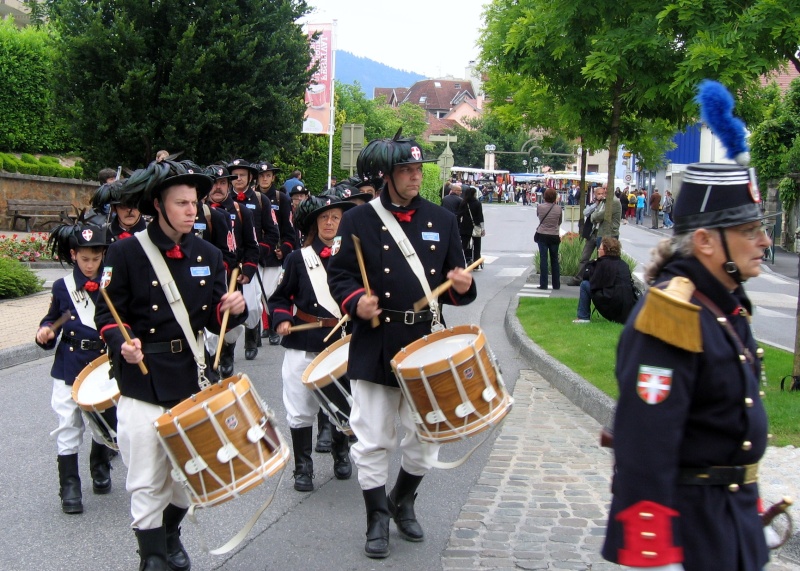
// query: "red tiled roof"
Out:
[437,126]
[782,79]
[439,94]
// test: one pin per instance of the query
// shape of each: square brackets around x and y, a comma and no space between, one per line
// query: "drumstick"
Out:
[56,325]
[360,257]
[444,286]
[231,289]
[342,321]
[305,326]
[124,331]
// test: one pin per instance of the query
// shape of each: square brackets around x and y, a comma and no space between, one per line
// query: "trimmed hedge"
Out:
[45,166]
[17,280]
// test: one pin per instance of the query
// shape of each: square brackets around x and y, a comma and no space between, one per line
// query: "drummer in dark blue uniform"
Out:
[302,296]
[170,192]
[690,427]
[244,244]
[81,246]
[428,233]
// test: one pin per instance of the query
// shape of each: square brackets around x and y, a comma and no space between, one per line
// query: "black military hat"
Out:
[106,194]
[307,211]
[81,234]
[716,195]
[295,187]
[217,172]
[147,184]
[380,156]
[242,164]
[264,166]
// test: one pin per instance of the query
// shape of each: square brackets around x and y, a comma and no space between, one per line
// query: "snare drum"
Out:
[326,378]
[96,393]
[222,441]
[452,383]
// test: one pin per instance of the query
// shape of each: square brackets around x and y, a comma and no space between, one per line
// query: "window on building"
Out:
[437,84]
[457,86]
[423,99]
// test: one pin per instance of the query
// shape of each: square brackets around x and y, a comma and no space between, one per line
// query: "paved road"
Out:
[536,499]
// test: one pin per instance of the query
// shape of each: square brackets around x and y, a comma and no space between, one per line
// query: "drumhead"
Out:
[97,387]
[438,350]
[333,361]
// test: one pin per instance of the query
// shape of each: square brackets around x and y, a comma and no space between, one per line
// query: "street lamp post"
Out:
[525,164]
[488,163]
[536,164]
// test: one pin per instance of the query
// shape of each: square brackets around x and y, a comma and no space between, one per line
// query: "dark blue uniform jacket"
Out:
[711,416]
[138,298]
[433,231]
[70,359]
[295,290]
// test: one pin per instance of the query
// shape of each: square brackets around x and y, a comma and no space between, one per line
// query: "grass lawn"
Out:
[590,350]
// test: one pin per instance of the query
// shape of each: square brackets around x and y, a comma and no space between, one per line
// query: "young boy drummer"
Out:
[169,192]
[81,246]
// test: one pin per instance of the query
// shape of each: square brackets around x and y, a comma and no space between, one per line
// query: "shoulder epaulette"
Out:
[669,315]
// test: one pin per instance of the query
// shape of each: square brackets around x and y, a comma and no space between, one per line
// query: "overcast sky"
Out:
[434,38]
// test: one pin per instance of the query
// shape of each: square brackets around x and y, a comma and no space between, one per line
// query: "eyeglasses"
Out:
[753,232]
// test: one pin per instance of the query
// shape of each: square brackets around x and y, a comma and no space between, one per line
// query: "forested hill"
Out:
[371,74]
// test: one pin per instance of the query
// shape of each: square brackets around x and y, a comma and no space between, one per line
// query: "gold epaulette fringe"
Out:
[669,316]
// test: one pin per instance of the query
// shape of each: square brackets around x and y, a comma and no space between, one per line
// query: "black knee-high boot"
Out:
[340,451]
[152,549]
[324,429]
[69,481]
[377,545]
[401,506]
[100,468]
[177,558]
[303,463]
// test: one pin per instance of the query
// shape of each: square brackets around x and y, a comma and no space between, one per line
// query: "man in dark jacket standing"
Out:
[384,322]
[452,201]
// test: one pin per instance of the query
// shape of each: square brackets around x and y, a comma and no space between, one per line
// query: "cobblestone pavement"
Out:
[541,501]
[21,317]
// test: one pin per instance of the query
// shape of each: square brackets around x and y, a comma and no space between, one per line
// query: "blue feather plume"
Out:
[716,111]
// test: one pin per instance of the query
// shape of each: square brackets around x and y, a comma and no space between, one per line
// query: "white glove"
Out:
[670,567]
[772,537]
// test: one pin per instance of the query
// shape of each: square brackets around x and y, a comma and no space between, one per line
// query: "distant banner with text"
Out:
[319,93]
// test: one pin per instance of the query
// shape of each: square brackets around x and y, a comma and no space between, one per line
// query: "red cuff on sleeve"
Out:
[647,536]
[106,328]
[349,297]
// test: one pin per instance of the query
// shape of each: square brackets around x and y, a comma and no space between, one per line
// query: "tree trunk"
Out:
[613,145]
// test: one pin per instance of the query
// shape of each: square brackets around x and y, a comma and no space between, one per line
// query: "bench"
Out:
[58,210]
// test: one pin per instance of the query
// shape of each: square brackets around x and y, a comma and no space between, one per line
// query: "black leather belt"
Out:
[407,317]
[85,344]
[174,346]
[719,475]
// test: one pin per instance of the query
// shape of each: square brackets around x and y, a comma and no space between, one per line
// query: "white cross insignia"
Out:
[87,235]
[654,384]
[416,153]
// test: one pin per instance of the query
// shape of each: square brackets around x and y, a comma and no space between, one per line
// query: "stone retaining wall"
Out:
[31,187]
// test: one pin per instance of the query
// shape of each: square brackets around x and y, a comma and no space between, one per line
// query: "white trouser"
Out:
[269,277]
[149,480]
[69,434]
[230,338]
[301,406]
[373,422]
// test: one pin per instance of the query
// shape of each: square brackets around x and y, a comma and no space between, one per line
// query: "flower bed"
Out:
[27,248]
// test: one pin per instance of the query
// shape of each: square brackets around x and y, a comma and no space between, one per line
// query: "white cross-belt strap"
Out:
[82,302]
[175,303]
[319,281]
[393,226]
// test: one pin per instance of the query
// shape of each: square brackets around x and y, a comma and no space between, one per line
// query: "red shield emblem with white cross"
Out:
[654,384]
[416,153]
[87,235]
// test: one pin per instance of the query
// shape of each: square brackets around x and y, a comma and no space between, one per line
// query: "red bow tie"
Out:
[241,197]
[325,252]
[404,216]
[174,253]
[124,235]
[215,205]
[91,286]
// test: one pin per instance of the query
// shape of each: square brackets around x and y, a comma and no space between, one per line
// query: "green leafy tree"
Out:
[616,72]
[29,120]
[215,80]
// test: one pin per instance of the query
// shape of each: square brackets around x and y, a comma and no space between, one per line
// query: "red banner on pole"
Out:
[319,93]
